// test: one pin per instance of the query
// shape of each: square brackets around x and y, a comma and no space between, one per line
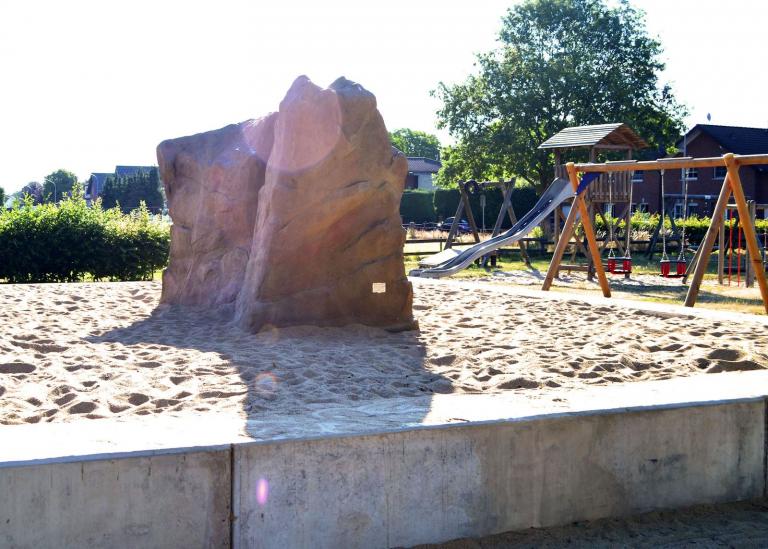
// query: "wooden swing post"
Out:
[507,188]
[578,207]
[566,233]
[467,209]
[708,242]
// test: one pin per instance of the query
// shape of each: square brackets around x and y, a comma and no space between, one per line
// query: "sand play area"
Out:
[74,351]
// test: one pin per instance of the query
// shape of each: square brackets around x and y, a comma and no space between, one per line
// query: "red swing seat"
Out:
[673,268]
[619,265]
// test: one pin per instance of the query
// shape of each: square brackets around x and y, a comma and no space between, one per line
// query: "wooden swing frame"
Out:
[731,186]
[506,210]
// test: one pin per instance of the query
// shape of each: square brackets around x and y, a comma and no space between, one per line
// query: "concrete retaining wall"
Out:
[396,488]
[173,500]
[406,488]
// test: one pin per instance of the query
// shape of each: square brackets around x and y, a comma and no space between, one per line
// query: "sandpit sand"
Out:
[73,351]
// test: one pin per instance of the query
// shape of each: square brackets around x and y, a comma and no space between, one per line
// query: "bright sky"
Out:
[87,85]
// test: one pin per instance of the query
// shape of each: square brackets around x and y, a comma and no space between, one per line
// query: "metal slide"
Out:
[559,191]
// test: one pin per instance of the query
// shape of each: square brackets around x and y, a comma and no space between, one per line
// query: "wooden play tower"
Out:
[611,190]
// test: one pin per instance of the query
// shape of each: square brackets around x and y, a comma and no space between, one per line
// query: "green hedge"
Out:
[65,242]
[417,206]
[695,226]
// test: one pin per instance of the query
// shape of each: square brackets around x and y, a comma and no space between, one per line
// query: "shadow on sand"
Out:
[300,380]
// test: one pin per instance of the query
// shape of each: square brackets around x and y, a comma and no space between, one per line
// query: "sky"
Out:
[87,84]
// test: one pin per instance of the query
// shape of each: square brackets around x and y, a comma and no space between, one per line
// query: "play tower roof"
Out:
[616,136]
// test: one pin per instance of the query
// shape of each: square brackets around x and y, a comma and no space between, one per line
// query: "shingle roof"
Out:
[618,135]
[418,164]
[735,139]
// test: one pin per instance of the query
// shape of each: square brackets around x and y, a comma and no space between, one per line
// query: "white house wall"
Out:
[425,181]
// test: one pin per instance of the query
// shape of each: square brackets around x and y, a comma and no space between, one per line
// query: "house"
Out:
[704,184]
[421,173]
[95,184]
[97,180]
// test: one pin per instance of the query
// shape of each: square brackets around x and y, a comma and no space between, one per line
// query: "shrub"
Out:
[695,227]
[445,202]
[64,242]
[417,206]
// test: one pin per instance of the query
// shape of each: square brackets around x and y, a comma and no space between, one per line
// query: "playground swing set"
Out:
[678,267]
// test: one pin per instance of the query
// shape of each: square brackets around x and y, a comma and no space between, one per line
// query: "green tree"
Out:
[34,190]
[57,185]
[130,191]
[111,192]
[2,198]
[415,143]
[560,63]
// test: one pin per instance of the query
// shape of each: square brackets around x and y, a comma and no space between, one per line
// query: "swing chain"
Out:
[628,228]
[681,255]
[664,256]
[609,217]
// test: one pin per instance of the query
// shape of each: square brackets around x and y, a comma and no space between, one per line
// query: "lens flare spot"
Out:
[262,491]
[265,386]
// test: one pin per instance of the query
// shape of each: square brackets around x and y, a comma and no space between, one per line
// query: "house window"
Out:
[637,176]
[641,207]
[678,211]
[719,172]
[691,174]
[609,209]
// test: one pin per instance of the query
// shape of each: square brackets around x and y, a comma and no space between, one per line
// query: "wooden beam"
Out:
[692,264]
[589,230]
[468,211]
[580,205]
[672,164]
[707,244]
[508,210]
[456,220]
[749,274]
[609,147]
[565,236]
[750,235]
[506,203]
[721,252]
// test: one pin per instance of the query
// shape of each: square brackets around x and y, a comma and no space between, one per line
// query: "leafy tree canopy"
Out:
[130,191]
[2,197]
[34,191]
[416,143]
[57,185]
[560,63]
